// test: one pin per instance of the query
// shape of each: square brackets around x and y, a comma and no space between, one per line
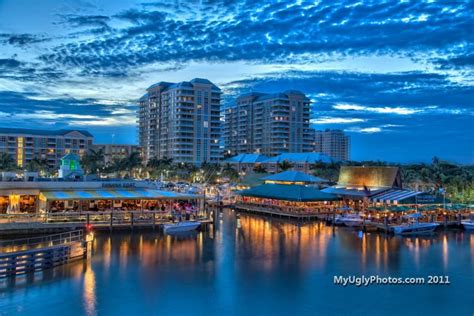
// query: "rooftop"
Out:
[371,177]
[293,176]
[42,132]
[246,158]
[259,96]
[310,157]
[190,84]
[286,192]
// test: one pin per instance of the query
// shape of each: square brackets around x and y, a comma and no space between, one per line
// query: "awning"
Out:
[353,193]
[135,194]
[394,196]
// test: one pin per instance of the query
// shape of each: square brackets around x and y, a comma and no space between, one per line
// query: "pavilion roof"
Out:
[289,192]
[294,176]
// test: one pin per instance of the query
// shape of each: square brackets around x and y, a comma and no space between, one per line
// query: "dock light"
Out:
[89,227]
[90,237]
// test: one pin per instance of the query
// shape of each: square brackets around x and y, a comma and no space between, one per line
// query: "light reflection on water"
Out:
[259,266]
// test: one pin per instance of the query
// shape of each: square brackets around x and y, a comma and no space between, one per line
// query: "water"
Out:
[265,267]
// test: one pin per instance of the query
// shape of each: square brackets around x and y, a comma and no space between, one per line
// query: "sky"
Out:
[396,76]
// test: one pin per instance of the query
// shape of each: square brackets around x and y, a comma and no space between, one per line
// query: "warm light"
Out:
[90,237]
[19,157]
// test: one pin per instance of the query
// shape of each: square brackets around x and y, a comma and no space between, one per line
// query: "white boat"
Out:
[468,225]
[351,220]
[180,227]
[415,228]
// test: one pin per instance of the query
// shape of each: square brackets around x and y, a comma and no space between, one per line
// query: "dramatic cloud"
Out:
[22,39]
[381,110]
[397,76]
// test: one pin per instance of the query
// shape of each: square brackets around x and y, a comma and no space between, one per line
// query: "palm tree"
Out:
[228,171]
[7,163]
[285,165]
[259,169]
[93,161]
[38,165]
[157,166]
[117,166]
[132,162]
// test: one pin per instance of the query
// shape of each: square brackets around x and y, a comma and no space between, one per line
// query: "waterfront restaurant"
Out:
[357,185]
[287,194]
[47,197]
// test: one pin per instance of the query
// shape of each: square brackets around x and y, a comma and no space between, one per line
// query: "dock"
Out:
[29,255]
[60,222]
[279,214]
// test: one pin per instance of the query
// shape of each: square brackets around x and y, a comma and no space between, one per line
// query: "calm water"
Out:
[265,267]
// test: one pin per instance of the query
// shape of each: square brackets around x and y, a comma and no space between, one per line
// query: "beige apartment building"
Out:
[181,121]
[268,124]
[25,145]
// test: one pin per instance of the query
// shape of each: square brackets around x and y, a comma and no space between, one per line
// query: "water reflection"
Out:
[89,295]
[247,259]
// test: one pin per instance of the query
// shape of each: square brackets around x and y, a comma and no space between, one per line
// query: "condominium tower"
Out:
[24,145]
[268,124]
[334,143]
[181,121]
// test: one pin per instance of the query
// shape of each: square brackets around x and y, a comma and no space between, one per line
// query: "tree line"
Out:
[457,180]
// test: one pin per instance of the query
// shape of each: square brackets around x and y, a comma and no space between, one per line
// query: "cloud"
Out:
[100,21]
[28,110]
[22,40]
[456,62]
[284,32]
[381,110]
[368,130]
[335,120]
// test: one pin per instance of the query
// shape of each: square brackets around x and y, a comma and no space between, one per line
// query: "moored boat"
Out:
[414,228]
[350,220]
[181,227]
[468,225]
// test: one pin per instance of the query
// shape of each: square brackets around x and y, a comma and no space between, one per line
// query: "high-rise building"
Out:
[181,121]
[333,143]
[24,145]
[268,124]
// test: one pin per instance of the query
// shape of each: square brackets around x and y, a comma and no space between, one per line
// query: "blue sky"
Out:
[397,76]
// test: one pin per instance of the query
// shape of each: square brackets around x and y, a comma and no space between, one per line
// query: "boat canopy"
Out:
[119,194]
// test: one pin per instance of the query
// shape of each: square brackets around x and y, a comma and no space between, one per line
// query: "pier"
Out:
[16,224]
[29,255]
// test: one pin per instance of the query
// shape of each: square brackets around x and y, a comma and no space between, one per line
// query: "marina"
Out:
[250,264]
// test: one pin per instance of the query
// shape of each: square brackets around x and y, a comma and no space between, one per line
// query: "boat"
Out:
[351,220]
[181,227]
[468,225]
[415,228]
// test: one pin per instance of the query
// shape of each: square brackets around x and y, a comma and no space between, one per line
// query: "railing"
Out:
[16,263]
[284,211]
[107,218]
[7,246]
[28,255]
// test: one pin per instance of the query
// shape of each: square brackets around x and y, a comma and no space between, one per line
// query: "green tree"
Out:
[285,165]
[38,165]
[7,163]
[259,169]
[93,162]
[132,162]
[228,171]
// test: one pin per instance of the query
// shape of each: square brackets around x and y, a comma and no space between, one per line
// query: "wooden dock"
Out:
[55,223]
[29,255]
[278,214]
